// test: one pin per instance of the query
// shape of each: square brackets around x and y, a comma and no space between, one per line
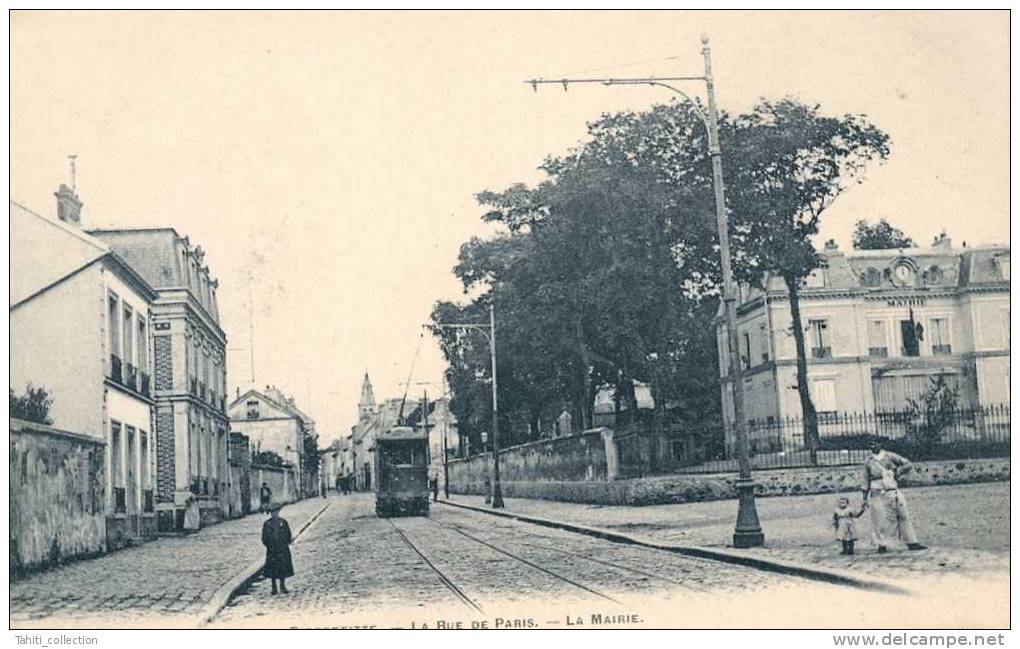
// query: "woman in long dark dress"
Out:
[276,537]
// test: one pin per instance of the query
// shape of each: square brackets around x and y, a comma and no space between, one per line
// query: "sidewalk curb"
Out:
[226,592]
[726,556]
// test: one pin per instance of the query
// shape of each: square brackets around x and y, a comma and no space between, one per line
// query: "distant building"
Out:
[330,463]
[879,324]
[189,381]
[80,326]
[372,419]
[439,422]
[273,422]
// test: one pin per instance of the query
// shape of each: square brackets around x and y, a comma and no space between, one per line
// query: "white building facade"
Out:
[80,320]
[878,326]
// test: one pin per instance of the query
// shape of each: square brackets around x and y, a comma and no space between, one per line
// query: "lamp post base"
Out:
[748,532]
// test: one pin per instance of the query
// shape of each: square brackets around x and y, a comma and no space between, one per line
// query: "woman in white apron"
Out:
[890,518]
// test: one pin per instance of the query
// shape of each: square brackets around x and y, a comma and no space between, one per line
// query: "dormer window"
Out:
[871,277]
[815,279]
[933,276]
[1002,263]
[253,409]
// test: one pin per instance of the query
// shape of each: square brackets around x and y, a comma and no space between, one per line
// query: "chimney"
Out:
[68,205]
[943,242]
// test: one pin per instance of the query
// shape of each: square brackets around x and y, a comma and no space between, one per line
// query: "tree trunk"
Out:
[533,425]
[810,417]
[587,405]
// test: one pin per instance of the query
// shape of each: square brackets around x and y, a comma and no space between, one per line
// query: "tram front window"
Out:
[404,455]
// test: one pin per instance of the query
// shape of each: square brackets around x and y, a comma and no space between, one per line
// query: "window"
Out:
[143,454]
[131,481]
[940,344]
[819,339]
[1002,261]
[116,467]
[253,409]
[763,337]
[877,345]
[113,322]
[747,350]
[871,277]
[143,346]
[823,395]
[129,341]
[815,279]
[909,331]
[933,276]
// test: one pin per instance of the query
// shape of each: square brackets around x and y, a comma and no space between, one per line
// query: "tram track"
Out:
[460,594]
[527,562]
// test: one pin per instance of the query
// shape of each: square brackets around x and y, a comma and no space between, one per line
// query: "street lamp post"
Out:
[747,532]
[490,336]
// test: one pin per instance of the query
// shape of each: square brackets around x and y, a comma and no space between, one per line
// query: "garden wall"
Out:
[56,496]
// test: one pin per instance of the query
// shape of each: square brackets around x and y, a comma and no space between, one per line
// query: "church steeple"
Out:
[366,406]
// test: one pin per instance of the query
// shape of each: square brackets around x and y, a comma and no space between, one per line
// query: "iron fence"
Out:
[845,438]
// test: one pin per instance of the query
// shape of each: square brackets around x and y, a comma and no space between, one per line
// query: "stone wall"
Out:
[681,488]
[56,497]
[282,481]
[580,457]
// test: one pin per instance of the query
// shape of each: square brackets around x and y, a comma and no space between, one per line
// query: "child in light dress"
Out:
[844,523]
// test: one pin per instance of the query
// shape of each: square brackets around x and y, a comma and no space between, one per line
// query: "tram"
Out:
[401,469]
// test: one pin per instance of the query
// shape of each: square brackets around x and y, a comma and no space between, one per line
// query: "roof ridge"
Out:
[79,233]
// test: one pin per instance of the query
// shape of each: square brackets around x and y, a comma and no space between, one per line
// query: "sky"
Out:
[328,161]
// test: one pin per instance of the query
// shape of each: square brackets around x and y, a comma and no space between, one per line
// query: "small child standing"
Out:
[843,522]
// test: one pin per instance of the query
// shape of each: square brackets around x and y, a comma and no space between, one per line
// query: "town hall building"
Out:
[878,325]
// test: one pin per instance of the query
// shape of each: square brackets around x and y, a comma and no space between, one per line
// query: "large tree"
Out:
[608,270]
[786,163]
[880,235]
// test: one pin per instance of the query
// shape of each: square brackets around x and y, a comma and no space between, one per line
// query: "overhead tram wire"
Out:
[618,65]
[407,385]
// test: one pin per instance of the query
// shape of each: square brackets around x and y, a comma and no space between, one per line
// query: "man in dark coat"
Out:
[265,496]
[276,537]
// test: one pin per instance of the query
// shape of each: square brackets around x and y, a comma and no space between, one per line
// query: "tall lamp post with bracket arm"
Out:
[747,532]
[490,337]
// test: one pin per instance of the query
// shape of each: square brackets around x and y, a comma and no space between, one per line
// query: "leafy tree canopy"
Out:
[34,405]
[879,235]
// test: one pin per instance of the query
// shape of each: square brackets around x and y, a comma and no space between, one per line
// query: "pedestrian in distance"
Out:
[339,484]
[265,498]
[276,537]
[434,486]
[890,518]
[843,520]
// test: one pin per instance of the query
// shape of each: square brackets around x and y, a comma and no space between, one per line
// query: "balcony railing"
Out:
[821,352]
[130,377]
[115,368]
[147,501]
[119,500]
[201,390]
[144,384]
[878,352]
[193,386]
[941,350]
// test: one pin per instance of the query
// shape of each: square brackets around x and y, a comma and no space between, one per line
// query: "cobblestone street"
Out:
[163,583]
[458,566]
[461,567]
